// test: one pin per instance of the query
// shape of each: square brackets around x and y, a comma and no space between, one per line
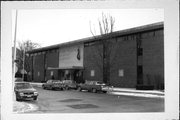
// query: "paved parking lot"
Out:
[72,101]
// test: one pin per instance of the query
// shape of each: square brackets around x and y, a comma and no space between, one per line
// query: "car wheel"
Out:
[79,88]
[43,87]
[94,90]
[67,88]
[35,98]
[104,91]
[17,99]
[54,88]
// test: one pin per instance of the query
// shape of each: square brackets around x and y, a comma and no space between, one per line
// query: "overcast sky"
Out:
[49,27]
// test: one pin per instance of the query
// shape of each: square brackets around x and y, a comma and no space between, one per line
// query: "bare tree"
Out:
[106,27]
[21,56]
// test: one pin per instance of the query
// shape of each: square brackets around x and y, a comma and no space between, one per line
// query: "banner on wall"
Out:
[71,56]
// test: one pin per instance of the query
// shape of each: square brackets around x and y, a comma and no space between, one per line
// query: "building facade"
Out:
[136,58]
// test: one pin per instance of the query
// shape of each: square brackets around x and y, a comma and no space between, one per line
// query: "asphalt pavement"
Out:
[127,91]
[72,101]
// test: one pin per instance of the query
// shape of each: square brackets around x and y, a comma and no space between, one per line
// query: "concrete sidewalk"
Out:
[22,107]
[138,93]
[127,92]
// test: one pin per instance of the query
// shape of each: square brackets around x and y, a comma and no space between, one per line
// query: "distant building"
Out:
[137,57]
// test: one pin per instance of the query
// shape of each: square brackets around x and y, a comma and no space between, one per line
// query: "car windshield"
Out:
[101,83]
[23,85]
[56,81]
[68,81]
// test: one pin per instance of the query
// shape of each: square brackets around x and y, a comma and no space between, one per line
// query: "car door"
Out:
[93,85]
[89,85]
[84,86]
[97,86]
[49,84]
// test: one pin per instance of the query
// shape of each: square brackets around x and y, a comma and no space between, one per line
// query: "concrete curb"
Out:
[137,94]
[138,91]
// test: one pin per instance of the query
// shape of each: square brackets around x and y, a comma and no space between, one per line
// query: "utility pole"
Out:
[14,50]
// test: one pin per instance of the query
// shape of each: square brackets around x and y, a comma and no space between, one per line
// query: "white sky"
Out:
[49,27]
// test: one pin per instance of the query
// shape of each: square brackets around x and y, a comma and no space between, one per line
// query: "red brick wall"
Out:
[123,56]
[52,60]
[125,59]
[38,66]
[92,61]
[153,58]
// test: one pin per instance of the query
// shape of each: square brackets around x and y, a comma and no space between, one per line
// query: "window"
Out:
[121,73]
[139,47]
[140,52]
[52,73]
[92,73]
[38,73]
[49,81]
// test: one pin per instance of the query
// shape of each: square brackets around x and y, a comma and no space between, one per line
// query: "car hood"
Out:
[26,90]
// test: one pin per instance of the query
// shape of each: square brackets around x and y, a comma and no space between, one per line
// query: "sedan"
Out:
[53,84]
[24,91]
[93,86]
[69,84]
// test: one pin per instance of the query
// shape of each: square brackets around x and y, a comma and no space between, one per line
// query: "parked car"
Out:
[53,84]
[92,86]
[69,84]
[18,79]
[24,90]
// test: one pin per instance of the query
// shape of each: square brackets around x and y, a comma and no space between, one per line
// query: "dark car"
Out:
[53,84]
[24,91]
[17,79]
[69,84]
[93,86]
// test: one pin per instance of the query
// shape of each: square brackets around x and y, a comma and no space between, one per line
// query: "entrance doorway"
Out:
[71,74]
[78,76]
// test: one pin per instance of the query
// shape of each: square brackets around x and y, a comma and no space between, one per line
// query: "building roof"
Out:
[149,27]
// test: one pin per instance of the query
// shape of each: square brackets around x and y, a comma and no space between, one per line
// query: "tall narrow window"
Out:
[121,72]
[52,73]
[38,73]
[140,51]
[92,73]
[139,47]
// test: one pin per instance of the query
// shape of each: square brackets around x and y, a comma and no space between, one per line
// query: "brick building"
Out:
[137,58]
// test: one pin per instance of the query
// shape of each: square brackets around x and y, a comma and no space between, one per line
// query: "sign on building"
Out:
[71,56]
